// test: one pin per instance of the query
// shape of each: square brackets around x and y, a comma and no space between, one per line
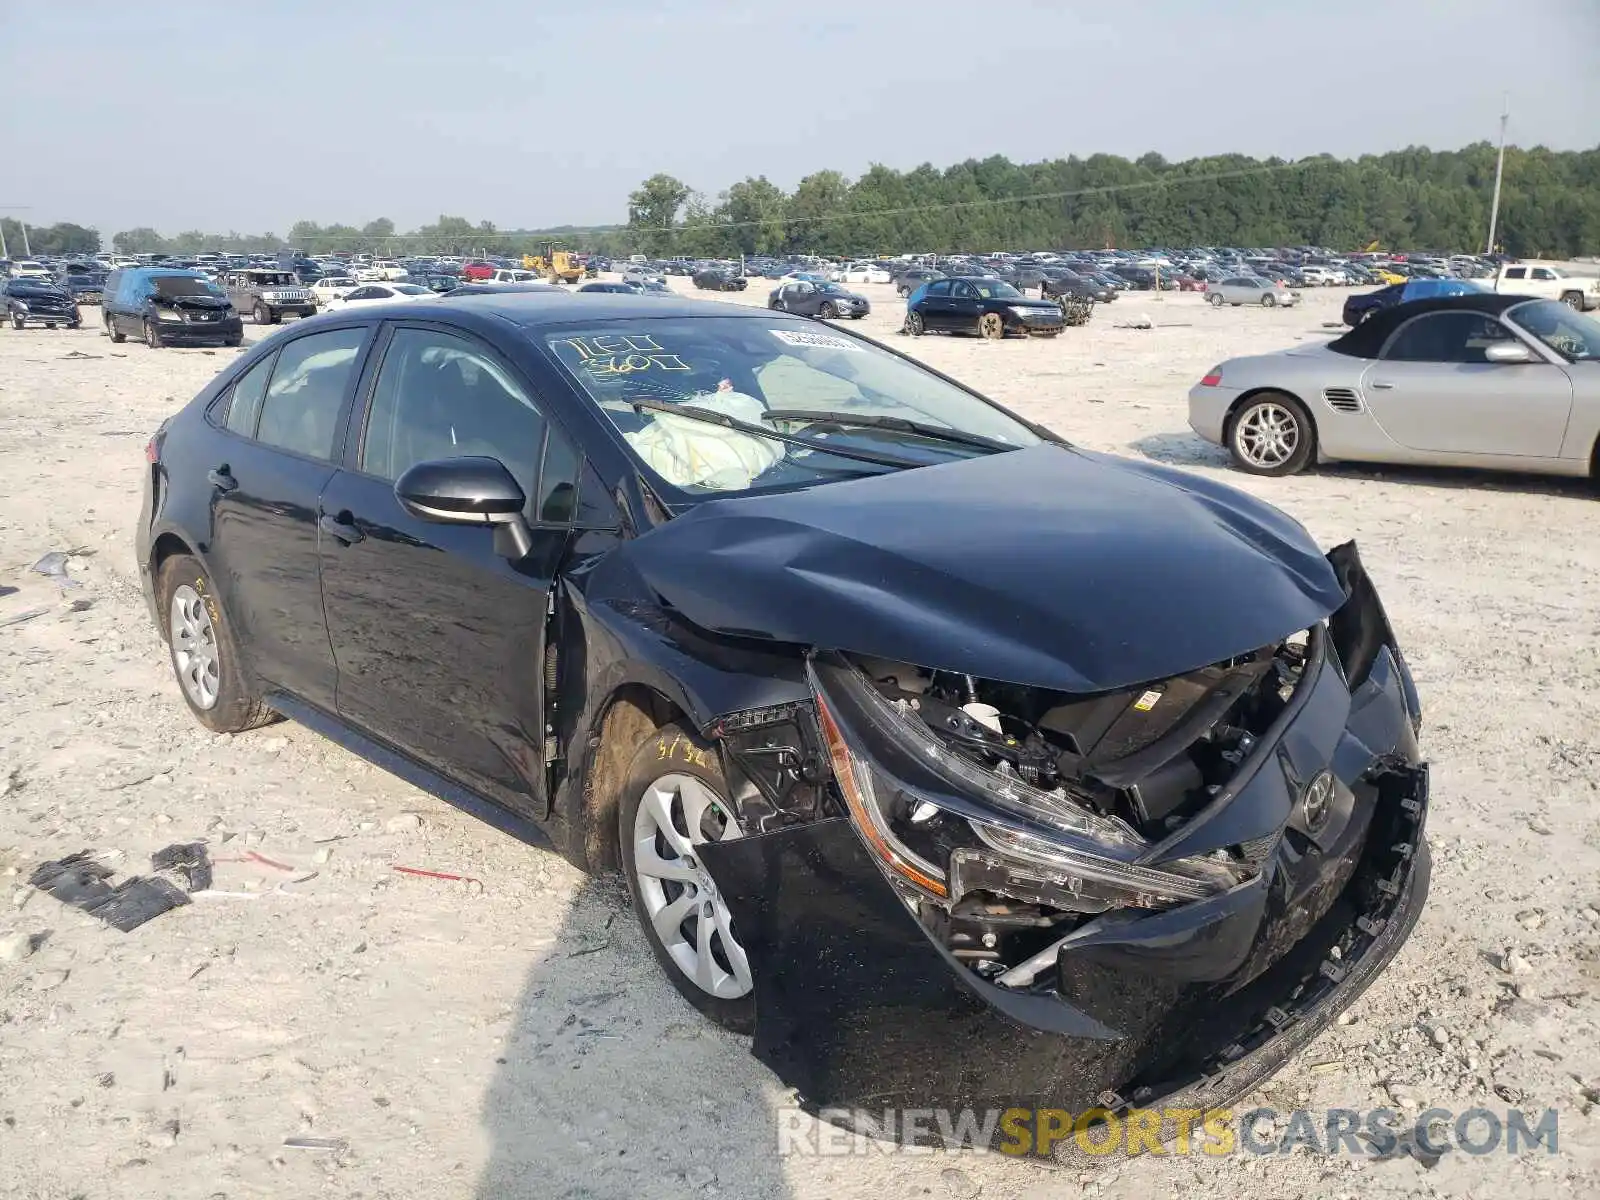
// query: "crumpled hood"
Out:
[1049,566]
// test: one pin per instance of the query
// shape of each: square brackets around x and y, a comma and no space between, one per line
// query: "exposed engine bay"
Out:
[1151,755]
[1140,762]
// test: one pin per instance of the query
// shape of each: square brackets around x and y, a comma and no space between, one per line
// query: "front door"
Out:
[440,640]
[283,429]
[1432,389]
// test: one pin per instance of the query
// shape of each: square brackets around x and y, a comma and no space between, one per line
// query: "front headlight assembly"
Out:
[940,825]
[168,314]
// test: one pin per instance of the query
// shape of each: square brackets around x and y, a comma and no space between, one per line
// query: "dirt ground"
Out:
[510,1036]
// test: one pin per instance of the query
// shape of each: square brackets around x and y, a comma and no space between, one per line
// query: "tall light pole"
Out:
[1499,170]
[18,208]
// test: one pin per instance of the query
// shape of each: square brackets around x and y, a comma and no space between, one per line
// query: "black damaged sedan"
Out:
[959,766]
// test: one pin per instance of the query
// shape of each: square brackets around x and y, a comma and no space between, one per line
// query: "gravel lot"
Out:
[510,1036]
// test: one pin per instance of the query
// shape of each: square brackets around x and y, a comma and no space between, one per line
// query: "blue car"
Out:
[1358,308]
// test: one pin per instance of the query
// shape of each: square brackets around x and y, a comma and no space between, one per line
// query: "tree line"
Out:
[1419,198]
[1411,198]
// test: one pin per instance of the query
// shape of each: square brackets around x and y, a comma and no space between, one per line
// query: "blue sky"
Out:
[247,116]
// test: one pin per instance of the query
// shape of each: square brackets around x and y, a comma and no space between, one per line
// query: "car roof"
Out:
[532,309]
[1367,338]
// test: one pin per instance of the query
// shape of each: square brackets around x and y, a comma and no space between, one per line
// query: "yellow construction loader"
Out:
[558,266]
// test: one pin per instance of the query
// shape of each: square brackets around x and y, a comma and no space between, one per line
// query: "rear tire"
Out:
[1271,434]
[674,799]
[205,658]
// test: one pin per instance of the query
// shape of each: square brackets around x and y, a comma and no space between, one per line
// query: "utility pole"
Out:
[1499,170]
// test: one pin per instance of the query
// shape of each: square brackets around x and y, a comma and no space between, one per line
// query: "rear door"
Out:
[936,305]
[1432,389]
[282,430]
[439,640]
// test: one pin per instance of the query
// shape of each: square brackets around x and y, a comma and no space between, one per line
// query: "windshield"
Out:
[1571,334]
[184,285]
[995,289]
[741,368]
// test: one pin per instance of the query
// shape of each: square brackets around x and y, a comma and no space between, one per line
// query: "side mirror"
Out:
[469,491]
[1507,352]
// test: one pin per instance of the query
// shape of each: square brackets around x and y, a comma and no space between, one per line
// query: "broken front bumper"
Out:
[860,1009]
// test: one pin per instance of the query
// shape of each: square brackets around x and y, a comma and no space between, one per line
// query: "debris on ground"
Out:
[338,1145]
[80,881]
[26,614]
[54,566]
[445,875]
[185,864]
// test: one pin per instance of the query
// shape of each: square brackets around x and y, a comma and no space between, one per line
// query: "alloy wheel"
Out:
[677,814]
[194,647]
[1267,435]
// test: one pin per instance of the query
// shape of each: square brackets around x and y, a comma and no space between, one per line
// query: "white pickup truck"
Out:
[1550,282]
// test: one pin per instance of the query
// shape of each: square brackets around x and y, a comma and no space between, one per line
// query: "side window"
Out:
[248,391]
[300,411]
[965,291]
[362,293]
[1447,337]
[439,395]
[1516,272]
[1543,273]
[939,287]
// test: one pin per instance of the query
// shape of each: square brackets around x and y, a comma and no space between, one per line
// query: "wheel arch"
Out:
[632,712]
[167,546]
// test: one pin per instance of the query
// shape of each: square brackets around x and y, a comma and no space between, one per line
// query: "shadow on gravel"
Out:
[1180,450]
[1187,450]
[610,1085]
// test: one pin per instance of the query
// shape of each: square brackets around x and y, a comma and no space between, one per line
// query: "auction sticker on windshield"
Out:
[804,337]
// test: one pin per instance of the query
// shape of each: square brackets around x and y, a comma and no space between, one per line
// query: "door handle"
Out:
[341,528]
[222,479]
[1380,385]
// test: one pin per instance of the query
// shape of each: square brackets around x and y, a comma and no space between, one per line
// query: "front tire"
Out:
[1272,434]
[1268,300]
[152,335]
[17,322]
[1573,300]
[991,326]
[260,315]
[205,658]
[674,800]
[914,324]
[827,312]
[112,332]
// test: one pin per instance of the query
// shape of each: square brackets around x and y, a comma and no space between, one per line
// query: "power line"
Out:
[829,218]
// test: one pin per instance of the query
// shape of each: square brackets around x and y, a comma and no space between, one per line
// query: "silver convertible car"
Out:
[1490,381]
